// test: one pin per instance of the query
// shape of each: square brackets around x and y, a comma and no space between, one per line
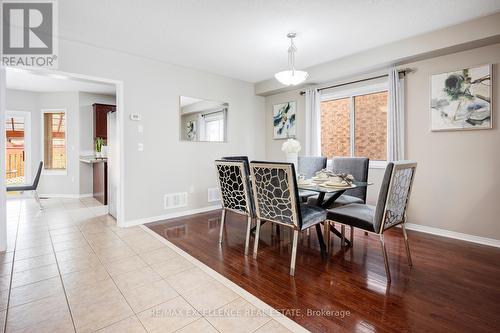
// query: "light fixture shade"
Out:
[291,77]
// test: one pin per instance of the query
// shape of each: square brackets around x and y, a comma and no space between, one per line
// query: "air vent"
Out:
[213,194]
[175,200]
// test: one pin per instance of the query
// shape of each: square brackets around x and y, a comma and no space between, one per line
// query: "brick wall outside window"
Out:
[335,130]
[370,126]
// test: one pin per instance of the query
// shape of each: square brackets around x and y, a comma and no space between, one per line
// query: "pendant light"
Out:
[291,77]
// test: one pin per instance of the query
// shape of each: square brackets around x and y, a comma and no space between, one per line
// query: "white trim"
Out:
[27,141]
[454,234]
[168,216]
[65,195]
[54,172]
[377,164]
[258,303]
[120,107]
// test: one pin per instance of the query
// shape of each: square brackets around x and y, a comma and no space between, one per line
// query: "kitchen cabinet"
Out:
[101,119]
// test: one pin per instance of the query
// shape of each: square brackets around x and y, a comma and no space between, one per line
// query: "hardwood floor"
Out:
[453,286]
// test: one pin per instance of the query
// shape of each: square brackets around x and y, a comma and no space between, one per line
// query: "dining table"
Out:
[336,191]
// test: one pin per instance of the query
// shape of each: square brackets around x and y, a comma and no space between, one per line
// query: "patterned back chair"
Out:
[235,193]
[394,195]
[391,207]
[276,200]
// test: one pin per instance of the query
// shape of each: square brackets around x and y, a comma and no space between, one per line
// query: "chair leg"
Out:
[256,241]
[386,261]
[326,235]
[408,253]
[247,239]
[352,236]
[294,252]
[222,220]
[37,198]
[342,230]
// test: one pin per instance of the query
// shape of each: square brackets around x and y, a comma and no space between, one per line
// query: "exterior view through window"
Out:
[355,126]
[54,132]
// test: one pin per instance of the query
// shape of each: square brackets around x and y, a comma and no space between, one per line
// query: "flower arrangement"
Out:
[291,146]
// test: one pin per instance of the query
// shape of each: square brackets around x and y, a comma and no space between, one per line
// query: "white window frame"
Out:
[351,94]
[53,172]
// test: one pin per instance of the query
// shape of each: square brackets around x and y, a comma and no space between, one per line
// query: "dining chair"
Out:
[390,210]
[33,187]
[277,200]
[235,194]
[358,167]
[308,166]
[242,158]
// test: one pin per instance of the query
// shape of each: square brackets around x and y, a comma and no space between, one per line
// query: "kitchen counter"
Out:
[99,167]
[92,159]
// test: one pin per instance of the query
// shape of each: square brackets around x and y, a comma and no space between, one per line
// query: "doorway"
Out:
[18,148]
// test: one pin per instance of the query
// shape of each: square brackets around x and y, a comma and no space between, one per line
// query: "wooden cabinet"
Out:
[101,182]
[101,168]
[101,119]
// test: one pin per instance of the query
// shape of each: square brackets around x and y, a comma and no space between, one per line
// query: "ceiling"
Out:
[29,81]
[245,39]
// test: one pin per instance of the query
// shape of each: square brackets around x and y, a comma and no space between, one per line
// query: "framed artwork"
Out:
[284,120]
[461,99]
[191,130]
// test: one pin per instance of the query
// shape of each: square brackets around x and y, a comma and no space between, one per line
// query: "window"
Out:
[355,124]
[214,126]
[54,140]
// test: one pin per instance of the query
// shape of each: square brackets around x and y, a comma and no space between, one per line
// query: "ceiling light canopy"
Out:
[291,77]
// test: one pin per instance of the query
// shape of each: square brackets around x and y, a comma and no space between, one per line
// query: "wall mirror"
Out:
[202,120]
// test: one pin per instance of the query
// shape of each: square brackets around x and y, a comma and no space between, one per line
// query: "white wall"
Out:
[457,184]
[3,217]
[18,100]
[34,102]
[86,135]
[152,89]
[68,183]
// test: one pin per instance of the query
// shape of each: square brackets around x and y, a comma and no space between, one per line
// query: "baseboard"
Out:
[68,196]
[168,216]
[453,234]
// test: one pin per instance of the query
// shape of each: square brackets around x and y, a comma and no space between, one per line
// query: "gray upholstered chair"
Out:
[235,194]
[277,201]
[33,187]
[390,210]
[356,166]
[308,166]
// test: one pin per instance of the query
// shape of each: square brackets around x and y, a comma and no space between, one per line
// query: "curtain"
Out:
[396,117]
[313,123]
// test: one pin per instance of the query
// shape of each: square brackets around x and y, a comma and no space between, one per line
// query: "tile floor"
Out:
[70,268]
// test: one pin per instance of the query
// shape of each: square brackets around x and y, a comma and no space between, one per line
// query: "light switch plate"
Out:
[140,147]
[135,117]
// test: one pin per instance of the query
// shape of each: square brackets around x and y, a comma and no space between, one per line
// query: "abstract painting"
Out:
[461,100]
[191,130]
[284,121]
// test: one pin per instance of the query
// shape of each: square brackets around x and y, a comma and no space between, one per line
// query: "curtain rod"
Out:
[403,71]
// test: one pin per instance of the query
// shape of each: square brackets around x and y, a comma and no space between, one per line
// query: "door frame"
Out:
[120,218]
[28,167]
